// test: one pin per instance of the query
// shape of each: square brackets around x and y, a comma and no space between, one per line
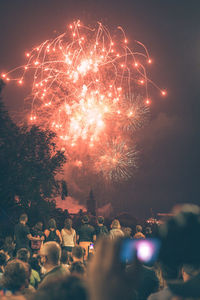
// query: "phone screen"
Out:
[147,250]
[91,247]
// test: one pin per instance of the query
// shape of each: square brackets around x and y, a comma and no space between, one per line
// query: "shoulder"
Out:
[35,274]
[46,232]
[91,227]
[59,270]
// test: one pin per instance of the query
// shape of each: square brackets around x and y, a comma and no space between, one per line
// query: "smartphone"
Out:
[146,250]
[91,247]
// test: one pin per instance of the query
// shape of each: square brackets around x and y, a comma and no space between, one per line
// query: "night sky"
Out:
[169,171]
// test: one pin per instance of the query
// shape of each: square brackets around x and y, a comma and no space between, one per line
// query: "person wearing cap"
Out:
[86,235]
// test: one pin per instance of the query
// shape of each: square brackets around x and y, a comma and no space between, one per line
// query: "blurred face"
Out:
[185,276]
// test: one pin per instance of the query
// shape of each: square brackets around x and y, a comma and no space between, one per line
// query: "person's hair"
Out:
[85,219]
[52,223]
[138,228]
[191,270]
[178,235]
[78,252]
[100,220]
[68,287]
[64,257]
[23,217]
[68,224]
[77,268]
[115,224]
[148,230]
[52,251]
[38,226]
[15,275]
[127,231]
[23,254]
[3,258]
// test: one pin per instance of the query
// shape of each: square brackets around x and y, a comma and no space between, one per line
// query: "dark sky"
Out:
[169,170]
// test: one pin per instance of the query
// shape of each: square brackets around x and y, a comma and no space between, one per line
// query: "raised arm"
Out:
[32,238]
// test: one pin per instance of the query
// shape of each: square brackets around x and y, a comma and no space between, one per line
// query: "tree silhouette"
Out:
[64,190]
[29,161]
[8,141]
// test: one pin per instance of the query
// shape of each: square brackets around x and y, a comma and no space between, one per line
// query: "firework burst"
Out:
[92,91]
[115,160]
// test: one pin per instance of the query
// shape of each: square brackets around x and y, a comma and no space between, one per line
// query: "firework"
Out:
[92,92]
[115,159]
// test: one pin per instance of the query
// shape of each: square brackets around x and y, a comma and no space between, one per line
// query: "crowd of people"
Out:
[87,263]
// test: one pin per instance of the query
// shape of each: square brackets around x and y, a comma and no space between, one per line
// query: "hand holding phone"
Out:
[146,250]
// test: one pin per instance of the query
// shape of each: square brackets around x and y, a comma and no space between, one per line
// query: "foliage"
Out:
[29,163]
[64,192]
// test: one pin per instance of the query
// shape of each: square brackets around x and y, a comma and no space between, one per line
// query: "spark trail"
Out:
[92,91]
